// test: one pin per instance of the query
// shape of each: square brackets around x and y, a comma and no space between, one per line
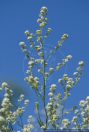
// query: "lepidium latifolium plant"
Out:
[50,100]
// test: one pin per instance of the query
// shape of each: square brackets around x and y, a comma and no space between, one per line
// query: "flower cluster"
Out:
[81,118]
[24,49]
[53,106]
[42,20]
[28,127]
[33,81]
[63,63]
[9,113]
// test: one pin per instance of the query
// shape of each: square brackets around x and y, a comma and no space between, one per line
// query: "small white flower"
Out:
[69,57]
[21,97]
[87,109]
[26,102]
[51,70]
[87,98]
[1,119]
[53,86]
[44,9]
[55,117]
[75,118]
[65,122]
[59,80]
[27,33]
[75,73]
[22,43]
[31,62]
[83,113]
[49,30]
[82,103]
[43,126]
[38,32]
[50,94]
[76,111]
[81,63]
[64,36]
[4,85]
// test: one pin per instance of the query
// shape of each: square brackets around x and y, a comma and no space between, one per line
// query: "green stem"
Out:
[39,118]
[44,88]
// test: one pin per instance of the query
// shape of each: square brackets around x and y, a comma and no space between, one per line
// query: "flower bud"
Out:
[27,33]
[38,32]
[4,85]
[49,30]
[26,102]
[81,63]
[69,57]
[64,37]
[50,94]
[51,70]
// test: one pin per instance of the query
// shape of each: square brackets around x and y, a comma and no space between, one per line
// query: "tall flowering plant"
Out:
[37,77]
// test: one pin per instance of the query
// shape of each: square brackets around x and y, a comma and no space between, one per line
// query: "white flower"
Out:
[42,25]
[21,97]
[44,9]
[65,122]
[59,80]
[1,119]
[83,113]
[2,110]
[30,37]
[51,70]
[69,57]
[30,79]
[50,94]
[4,85]
[20,110]
[82,103]
[87,98]
[6,102]
[76,111]
[26,102]
[6,95]
[81,63]
[55,117]
[53,87]
[43,126]
[49,30]
[87,109]
[64,36]
[22,43]
[75,118]
[30,117]
[27,33]
[38,32]
[75,73]
[50,104]
[36,78]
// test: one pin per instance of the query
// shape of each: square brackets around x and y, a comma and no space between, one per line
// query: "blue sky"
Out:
[69,16]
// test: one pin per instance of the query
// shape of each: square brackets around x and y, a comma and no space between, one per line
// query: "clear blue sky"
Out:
[65,16]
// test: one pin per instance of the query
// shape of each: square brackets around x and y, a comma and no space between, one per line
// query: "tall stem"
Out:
[44,87]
